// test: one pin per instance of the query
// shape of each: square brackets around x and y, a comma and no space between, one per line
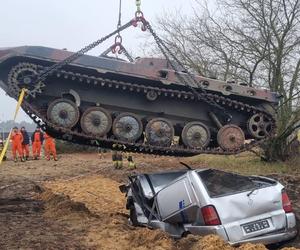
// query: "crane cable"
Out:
[122,48]
[120,15]
[138,4]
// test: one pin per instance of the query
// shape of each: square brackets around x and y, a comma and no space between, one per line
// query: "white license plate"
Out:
[256,226]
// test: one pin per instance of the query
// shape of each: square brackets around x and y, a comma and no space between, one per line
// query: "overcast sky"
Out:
[71,24]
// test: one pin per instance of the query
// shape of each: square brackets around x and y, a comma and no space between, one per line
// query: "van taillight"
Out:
[210,216]
[286,204]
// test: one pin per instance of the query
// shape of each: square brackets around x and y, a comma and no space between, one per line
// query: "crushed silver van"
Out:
[238,208]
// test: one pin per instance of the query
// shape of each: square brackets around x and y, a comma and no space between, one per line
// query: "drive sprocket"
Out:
[24,75]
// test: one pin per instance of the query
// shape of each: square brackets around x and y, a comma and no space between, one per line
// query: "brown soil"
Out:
[75,204]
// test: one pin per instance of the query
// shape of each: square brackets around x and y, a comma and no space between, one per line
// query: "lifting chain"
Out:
[120,15]
[117,47]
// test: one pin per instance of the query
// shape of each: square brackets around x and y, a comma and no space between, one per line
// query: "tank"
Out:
[141,106]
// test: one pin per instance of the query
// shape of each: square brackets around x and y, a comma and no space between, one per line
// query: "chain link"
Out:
[128,56]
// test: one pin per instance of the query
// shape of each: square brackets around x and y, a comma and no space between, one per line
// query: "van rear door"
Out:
[247,206]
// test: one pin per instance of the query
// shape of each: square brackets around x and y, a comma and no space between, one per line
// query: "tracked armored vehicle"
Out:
[144,105]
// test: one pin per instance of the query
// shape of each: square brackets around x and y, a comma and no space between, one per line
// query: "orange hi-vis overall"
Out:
[17,139]
[49,146]
[36,144]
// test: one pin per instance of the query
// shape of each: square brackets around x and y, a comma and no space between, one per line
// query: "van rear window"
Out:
[219,183]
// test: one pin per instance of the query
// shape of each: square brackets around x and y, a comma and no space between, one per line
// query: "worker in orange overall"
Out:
[37,141]
[49,147]
[17,140]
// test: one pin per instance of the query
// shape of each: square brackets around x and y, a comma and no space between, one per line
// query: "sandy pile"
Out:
[96,205]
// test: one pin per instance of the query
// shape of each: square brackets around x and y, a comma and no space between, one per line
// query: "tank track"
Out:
[174,150]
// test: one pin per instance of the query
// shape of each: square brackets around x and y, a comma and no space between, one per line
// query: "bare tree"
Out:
[254,41]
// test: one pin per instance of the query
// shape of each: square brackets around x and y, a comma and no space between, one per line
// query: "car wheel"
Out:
[185,234]
[132,216]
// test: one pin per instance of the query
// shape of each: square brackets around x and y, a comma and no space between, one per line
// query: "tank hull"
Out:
[147,89]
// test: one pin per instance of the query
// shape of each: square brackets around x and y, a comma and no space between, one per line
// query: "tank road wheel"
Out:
[195,135]
[159,132]
[127,127]
[259,126]
[231,137]
[96,121]
[63,112]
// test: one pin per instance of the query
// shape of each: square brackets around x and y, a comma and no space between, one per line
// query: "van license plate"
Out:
[256,226]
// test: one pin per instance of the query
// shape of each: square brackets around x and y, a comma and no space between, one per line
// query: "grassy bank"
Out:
[247,163]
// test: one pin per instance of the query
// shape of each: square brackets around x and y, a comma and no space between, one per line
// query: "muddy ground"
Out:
[75,204]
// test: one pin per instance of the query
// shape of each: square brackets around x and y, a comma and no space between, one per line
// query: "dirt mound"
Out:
[61,205]
[212,242]
[105,218]
[24,189]
[145,239]
[22,221]
[249,246]
[209,242]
